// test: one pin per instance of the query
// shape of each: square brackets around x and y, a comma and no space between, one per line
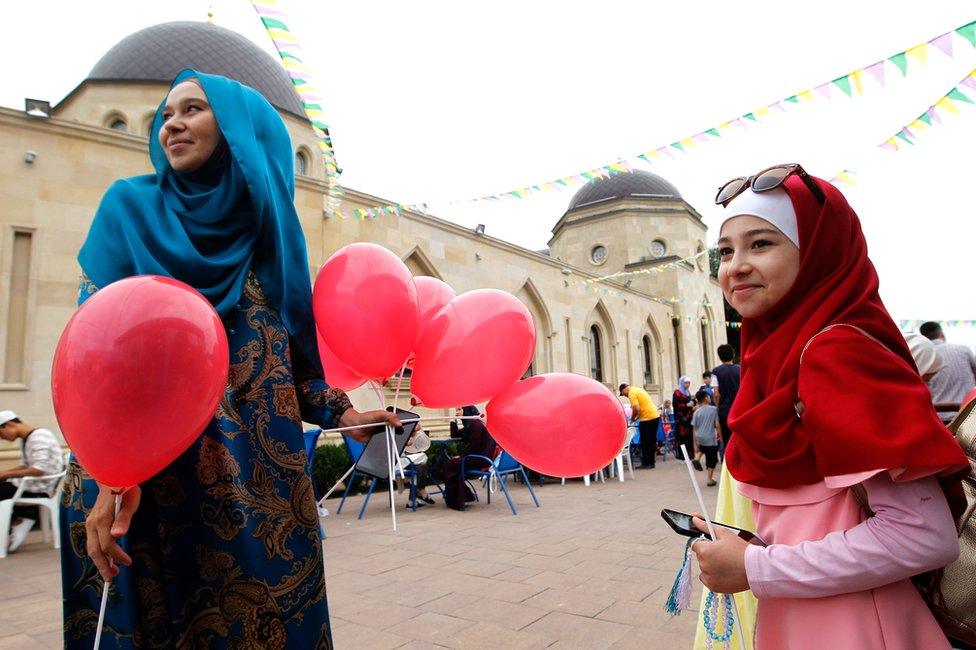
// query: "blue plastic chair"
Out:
[501,468]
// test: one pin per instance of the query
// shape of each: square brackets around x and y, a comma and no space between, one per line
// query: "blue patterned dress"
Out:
[225,543]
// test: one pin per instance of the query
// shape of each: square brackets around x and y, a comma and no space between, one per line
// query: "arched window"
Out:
[646,357]
[117,123]
[596,354]
[703,324]
[301,163]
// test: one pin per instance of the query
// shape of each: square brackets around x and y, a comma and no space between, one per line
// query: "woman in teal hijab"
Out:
[221,549]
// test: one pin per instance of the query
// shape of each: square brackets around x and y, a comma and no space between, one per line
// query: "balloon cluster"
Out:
[373,318]
[149,355]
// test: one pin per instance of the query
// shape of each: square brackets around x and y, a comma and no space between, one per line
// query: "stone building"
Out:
[54,170]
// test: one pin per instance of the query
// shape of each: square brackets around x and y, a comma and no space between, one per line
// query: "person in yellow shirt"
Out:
[645,414]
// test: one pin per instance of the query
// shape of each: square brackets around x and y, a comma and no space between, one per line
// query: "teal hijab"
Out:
[209,228]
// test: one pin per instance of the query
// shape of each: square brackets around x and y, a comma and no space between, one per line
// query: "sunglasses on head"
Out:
[766,180]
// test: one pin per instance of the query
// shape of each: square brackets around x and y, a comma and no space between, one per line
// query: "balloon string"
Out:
[106,584]
[434,418]
[390,447]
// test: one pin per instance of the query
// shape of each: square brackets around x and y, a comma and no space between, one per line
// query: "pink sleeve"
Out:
[912,532]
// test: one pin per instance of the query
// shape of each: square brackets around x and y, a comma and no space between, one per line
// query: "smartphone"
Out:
[374,459]
[681,523]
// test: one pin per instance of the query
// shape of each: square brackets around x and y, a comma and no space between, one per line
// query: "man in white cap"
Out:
[41,456]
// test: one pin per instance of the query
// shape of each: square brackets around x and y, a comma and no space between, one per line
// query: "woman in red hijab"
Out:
[794,263]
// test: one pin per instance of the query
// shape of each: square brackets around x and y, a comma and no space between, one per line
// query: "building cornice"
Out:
[675,208]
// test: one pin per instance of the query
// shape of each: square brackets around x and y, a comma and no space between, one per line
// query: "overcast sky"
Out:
[436,101]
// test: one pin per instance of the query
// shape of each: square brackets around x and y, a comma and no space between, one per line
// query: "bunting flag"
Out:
[849,85]
[913,325]
[274,19]
[843,178]
[933,114]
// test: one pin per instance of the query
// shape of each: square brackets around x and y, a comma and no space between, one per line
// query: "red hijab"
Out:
[866,408]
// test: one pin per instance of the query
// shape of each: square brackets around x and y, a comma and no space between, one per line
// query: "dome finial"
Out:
[210,13]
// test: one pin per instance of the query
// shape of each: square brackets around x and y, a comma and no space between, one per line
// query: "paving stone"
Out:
[362,636]
[574,602]
[578,631]
[485,636]
[432,627]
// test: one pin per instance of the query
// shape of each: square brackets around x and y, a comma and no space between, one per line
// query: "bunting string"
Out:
[933,114]
[274,18]
[850,85]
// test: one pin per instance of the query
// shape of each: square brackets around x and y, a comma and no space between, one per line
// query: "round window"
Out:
[599,254]
[658,248]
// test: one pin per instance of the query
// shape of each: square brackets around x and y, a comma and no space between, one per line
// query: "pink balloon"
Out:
[432,294]
[137,375]
[475,347]
[365,304]
[560,424]
[337,374]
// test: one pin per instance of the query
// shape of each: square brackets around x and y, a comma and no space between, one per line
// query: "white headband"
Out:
[773,206]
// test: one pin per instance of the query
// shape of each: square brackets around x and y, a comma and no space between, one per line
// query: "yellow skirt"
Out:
[735,510]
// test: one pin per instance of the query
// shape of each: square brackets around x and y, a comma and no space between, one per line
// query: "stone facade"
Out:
[48,204]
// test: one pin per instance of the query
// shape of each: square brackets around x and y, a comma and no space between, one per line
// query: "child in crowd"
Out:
[835,574]
[707,434]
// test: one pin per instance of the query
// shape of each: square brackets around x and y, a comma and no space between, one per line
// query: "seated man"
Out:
[41,456]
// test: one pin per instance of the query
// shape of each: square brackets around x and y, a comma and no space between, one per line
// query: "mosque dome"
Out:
[159,52]
[636,184]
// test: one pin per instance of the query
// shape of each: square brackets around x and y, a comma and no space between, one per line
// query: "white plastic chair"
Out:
[618,462]
[48,509]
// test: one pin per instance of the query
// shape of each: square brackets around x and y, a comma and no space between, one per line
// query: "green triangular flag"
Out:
[968,32]
[901,61]
[925,118]
[957,95]
[793,98]
[750,116]
[272,22]
[904,137]
[714,131]
[844,83]
[677,145]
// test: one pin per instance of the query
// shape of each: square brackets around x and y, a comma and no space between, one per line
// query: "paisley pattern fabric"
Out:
[225,543]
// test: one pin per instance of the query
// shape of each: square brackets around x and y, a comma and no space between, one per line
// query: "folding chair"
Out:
[498,469]
[48,508]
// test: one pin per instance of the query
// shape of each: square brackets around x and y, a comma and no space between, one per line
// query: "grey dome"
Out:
[638,184]
[159,52]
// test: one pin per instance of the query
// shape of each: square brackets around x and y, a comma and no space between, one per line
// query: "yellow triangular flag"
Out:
[946,104]
[725,125]
[687,143]
[920,52]
[806,95]
[918,125]
[855,77]
[762,112]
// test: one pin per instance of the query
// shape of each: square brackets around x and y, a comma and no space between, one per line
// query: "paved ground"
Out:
[591,568]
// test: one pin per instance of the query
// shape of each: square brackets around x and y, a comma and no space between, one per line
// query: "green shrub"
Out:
[329,463]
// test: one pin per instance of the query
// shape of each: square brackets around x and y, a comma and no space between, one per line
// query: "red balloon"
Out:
[137,375]
[337,374]
[560,424]
[475,347]
[365,304]
[432,295]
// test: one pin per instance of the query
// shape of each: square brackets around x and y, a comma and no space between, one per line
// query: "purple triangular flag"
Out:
[944,43]
[933,115]
[877,71]
[824,89]
[969,82]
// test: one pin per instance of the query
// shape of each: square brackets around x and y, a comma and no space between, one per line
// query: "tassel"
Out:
[679,597]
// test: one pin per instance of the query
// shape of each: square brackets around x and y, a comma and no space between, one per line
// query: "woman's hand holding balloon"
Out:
[722,561]
[104,528]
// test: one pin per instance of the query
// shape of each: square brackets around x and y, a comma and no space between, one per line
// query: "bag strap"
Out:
[799,406]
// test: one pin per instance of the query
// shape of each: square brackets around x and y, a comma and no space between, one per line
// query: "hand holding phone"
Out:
[681,523]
